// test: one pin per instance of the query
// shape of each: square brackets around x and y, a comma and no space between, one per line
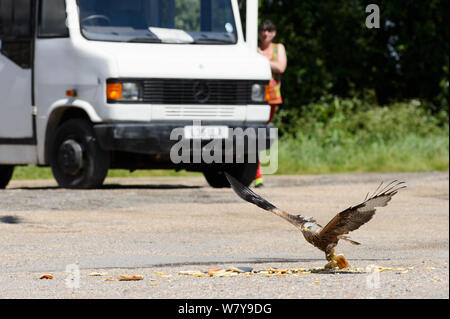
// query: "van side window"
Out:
[16,32]
[15,19]
[52,19]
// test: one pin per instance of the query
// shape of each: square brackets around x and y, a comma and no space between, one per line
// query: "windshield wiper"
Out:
[145,40]
[213,40]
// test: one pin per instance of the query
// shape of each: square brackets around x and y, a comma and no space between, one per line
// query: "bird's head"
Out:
[311,227]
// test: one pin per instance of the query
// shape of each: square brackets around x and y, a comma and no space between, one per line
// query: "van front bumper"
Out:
[155,138]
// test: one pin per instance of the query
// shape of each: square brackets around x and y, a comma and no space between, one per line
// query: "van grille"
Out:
[195,91]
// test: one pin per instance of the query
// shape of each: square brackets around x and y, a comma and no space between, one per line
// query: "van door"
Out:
[16,61]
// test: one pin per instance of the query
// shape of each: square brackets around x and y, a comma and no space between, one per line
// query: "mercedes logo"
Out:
[201,91]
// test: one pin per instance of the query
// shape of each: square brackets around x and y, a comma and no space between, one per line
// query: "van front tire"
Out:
[77,161]
[6,172]
[245,173]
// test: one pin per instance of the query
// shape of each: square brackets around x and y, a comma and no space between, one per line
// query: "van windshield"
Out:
[158,21]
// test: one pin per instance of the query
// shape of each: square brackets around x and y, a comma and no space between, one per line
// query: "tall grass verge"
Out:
[348,135]
[410,154]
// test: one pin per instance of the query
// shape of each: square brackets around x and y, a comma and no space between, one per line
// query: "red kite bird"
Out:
[326,238]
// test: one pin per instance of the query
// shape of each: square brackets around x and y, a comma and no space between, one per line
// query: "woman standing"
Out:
[276,54]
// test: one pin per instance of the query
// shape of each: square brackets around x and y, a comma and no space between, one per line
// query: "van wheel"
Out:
[244,173]
[76,159]
[6,172]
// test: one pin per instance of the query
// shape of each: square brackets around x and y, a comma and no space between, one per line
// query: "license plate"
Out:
[205,132]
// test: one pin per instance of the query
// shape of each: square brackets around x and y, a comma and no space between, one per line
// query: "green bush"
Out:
[335,120]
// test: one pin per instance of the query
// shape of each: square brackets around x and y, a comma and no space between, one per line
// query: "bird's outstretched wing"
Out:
[248,195]
[354,217]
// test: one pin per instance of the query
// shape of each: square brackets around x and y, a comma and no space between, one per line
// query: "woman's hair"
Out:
[267,25]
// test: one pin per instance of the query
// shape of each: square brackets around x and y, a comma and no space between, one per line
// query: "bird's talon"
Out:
[330,266]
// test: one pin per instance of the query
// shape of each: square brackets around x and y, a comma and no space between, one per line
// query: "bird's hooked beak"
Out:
[308,226]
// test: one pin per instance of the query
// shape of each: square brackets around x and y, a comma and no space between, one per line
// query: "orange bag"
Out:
[273,92]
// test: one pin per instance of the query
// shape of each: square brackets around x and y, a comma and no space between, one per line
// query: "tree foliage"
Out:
[331,51]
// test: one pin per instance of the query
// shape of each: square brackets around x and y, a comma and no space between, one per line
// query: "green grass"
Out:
[409,154]
[32,172]
[35,172]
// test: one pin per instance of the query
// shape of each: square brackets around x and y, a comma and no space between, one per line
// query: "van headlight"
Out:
[258,92]
[123,91]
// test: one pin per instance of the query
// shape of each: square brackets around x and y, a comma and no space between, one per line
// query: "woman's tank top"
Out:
[273,90]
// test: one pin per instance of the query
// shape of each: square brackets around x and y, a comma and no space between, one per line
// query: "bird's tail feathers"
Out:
[346,238]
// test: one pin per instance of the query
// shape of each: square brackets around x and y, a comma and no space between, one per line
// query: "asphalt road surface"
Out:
[159,227]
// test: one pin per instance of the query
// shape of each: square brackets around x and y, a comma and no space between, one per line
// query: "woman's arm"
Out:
[280,65]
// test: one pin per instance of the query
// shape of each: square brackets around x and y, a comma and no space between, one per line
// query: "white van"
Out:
[89,85]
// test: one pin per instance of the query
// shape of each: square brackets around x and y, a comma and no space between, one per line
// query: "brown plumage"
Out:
[326,238]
